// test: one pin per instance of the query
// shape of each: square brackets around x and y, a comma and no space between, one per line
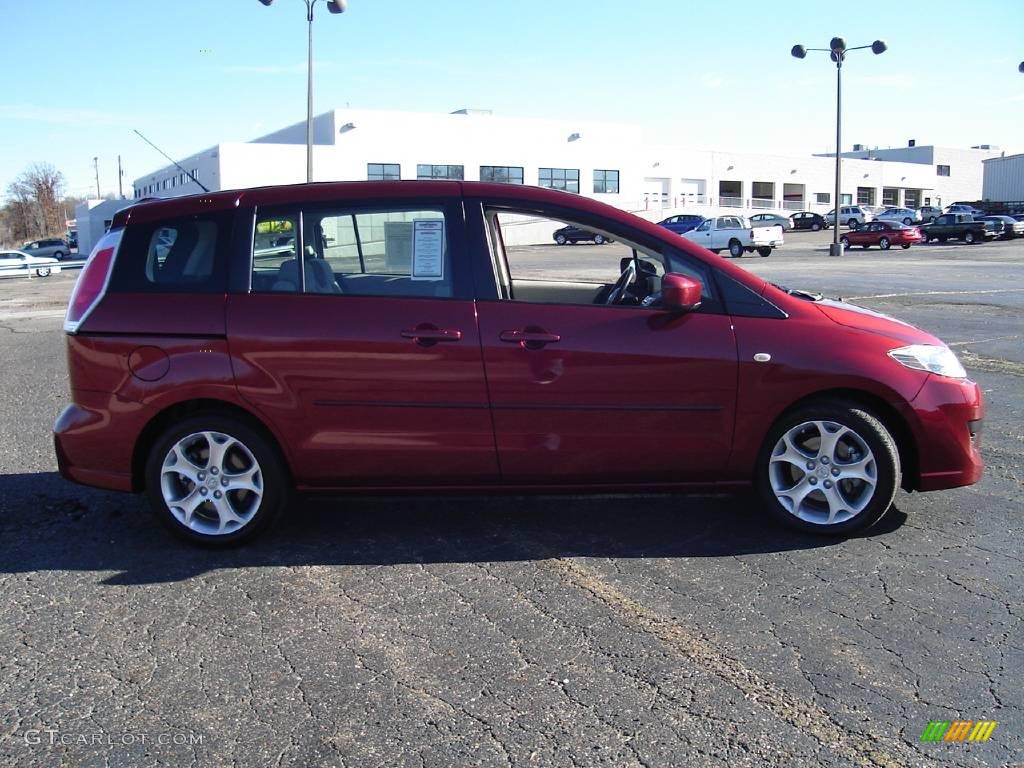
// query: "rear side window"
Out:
[179,255]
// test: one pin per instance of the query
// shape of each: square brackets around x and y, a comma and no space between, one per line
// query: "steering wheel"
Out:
[626,279]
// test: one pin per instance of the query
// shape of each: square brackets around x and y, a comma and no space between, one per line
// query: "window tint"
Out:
[187,255]
[274,243]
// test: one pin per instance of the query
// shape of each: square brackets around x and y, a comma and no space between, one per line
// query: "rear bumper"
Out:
[89,449]
[950,415]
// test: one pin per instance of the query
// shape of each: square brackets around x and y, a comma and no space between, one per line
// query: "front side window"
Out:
[440,172]
[532,268]
[501,174]
[606,182]
[567,179]
[383,172]
[383,252]
[942,170]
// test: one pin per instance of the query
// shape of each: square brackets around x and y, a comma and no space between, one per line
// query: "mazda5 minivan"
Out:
[229,349]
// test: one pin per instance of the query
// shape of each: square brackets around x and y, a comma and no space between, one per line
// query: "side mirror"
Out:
[680,293]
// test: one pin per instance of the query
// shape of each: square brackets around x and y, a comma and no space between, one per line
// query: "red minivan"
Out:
[227,349]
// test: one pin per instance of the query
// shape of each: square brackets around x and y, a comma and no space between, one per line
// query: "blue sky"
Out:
[79,76]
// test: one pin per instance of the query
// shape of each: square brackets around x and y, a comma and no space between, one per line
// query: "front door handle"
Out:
[426,335]
[529,338]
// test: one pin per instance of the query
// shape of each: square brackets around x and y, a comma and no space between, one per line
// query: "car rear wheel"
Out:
[735,249]
[884,243]
[969,238]
[846,242]
[851,223]
[907,220]
[215,481]
[764,250]
[599,239]
[58,255]
[831,467]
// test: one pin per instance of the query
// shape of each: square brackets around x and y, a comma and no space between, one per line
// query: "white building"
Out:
[607,161]
[93,219]
[956,173]
[1004,179]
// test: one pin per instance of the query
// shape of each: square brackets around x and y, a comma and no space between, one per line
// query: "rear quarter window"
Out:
[180,255]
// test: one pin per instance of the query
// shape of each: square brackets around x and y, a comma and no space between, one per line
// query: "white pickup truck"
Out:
[734,234]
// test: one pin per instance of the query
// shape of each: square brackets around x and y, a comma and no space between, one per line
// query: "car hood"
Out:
[853,316]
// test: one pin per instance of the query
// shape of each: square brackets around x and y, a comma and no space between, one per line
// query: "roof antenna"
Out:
[176,163]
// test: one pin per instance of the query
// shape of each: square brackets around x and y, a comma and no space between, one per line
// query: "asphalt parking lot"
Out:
[570,631]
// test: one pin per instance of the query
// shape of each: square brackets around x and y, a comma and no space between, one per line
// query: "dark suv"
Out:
[227,349]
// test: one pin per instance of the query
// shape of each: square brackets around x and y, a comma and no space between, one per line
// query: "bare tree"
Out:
[34,207]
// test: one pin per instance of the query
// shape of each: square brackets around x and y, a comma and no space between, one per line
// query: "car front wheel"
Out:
[884,243]
[215,481]
[846,243]
[599,239]
[815,226]
[830,467]
[560,239]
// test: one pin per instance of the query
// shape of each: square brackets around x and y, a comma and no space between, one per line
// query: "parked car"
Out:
[907,216]
[884,234]
[14,263]
[809,220]
[53,247]
[851,215]
[771,220]
[1009,226]
[573,234]
[735,235]
[960,226]
[418,355]
[965,208]
[929,213]
[684,222]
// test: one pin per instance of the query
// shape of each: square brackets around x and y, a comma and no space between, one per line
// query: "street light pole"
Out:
[334,6]
[837,51]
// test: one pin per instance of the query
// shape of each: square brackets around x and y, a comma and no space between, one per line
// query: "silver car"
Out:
[771,220]
[907,216]
[929,212]
[53,247]
[19,263]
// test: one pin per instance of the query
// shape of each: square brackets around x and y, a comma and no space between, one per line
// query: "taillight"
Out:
[92,282]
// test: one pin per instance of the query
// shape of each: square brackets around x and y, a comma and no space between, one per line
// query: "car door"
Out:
[586,393]
[357,340]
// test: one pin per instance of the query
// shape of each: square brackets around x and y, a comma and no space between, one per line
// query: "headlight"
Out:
[927,357]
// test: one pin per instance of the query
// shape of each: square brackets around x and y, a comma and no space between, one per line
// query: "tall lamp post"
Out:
[334,6]
[837,51]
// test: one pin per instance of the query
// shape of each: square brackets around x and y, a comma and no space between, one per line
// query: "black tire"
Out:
[868,429]
[273,474]
[907,220]
[884,243]
[969,237]
[764,250]
[599,239]
[942,239]
[560,239]
[815,226]
[924,237]
[735,249]
[43,271]
[851,223]
[905,246]
[58,255]
[845,241]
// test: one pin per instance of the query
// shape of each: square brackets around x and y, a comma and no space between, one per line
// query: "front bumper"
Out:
[950,413]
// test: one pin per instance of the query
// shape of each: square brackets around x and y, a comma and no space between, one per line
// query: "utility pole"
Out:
[120,179]
[96,167]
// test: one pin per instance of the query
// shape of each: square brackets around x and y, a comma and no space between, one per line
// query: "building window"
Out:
[845,198]
[567,179]
[501,174]
[606,182]
[890,197]
[942,170]
[865,195]
[823,198]
[439,172]
[383,172]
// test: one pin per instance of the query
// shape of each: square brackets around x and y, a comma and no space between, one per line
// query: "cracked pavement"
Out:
[551,631]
